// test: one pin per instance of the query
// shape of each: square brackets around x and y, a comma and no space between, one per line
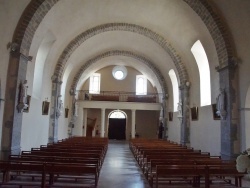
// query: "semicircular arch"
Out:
[145,61]
[81,38]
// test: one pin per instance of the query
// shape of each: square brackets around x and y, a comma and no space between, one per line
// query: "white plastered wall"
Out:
[10,12]
[205,132]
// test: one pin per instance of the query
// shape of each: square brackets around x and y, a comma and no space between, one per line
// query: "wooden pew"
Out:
[195,172]
[70,171]
[63,160]
[173,172]
[16,168]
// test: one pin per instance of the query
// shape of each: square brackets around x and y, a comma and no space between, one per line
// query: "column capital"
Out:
[55,79]
[232,64]
[15,51]
[185,86]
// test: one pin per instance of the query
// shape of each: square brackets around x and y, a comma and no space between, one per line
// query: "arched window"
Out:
[204,73]
[175,86]
[117,114]
[141,85]
[94,85]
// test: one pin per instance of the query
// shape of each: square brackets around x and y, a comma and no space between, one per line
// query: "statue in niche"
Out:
[75,108]
[59,109]
[221,104]
[179,108]
[22,98]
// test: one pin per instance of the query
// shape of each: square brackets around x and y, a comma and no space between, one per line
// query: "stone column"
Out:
[163,117]
[230,131]
[53,124]
[133,124]
[102,122]
[85,117]
[185,117]
[73,113]
[12,119]
[78,125]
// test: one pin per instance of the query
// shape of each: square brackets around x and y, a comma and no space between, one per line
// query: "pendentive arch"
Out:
[142,59]
[81,38]
[37,9]
[217,29]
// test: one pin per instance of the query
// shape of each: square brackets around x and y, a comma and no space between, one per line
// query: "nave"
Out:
[118,166]
[120,169]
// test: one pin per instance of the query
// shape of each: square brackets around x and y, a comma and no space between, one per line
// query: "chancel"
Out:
[67,66]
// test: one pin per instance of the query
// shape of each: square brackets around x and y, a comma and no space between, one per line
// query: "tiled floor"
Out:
[120,170]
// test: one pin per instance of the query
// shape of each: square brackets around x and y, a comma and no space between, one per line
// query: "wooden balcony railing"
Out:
[119,96]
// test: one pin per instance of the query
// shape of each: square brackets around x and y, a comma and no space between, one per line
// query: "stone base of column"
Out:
[228,156]
[15,150]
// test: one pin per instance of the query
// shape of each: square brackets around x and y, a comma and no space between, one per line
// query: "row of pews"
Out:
[73,162]
[164,163]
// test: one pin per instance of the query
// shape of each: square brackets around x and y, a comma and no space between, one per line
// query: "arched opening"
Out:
[117,125]
[204,72]
[175,86]
[42,54]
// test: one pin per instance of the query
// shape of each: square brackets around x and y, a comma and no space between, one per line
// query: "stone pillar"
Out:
[73,113]
[85,117]
[102,122]
[12,119]
[56,94]
[78,125]
[163,117]
[133,124]
[185,117]
[230,131]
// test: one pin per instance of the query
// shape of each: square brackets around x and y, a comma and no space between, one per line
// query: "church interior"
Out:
[122,70]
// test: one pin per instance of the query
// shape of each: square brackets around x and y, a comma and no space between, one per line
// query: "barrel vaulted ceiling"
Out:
[162,32]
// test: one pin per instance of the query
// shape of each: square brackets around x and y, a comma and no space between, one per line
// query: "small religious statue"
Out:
[179,109]
[221,104]
[75,107]
[59,109]
[22,98]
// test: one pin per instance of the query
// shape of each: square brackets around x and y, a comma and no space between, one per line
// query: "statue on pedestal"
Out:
[22,98]
[221,104]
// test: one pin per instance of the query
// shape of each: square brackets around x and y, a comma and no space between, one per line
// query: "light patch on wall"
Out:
[175,86]
[41,57]
[204,72]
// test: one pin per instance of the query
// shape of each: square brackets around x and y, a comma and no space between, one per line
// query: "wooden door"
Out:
[117,129]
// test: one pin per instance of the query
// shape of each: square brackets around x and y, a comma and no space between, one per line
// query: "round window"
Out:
[119,72]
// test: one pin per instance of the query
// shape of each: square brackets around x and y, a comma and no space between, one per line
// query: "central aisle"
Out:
[120,169]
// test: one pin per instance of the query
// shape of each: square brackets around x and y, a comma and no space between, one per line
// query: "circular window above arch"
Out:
[119,72]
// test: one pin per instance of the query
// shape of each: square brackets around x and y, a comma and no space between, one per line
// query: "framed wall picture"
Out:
[214,110]
[28,103]
[194,113]
[170,116]
[66,112]
[45,108]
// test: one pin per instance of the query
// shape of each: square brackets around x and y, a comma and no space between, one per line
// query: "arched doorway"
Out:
[117,125]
